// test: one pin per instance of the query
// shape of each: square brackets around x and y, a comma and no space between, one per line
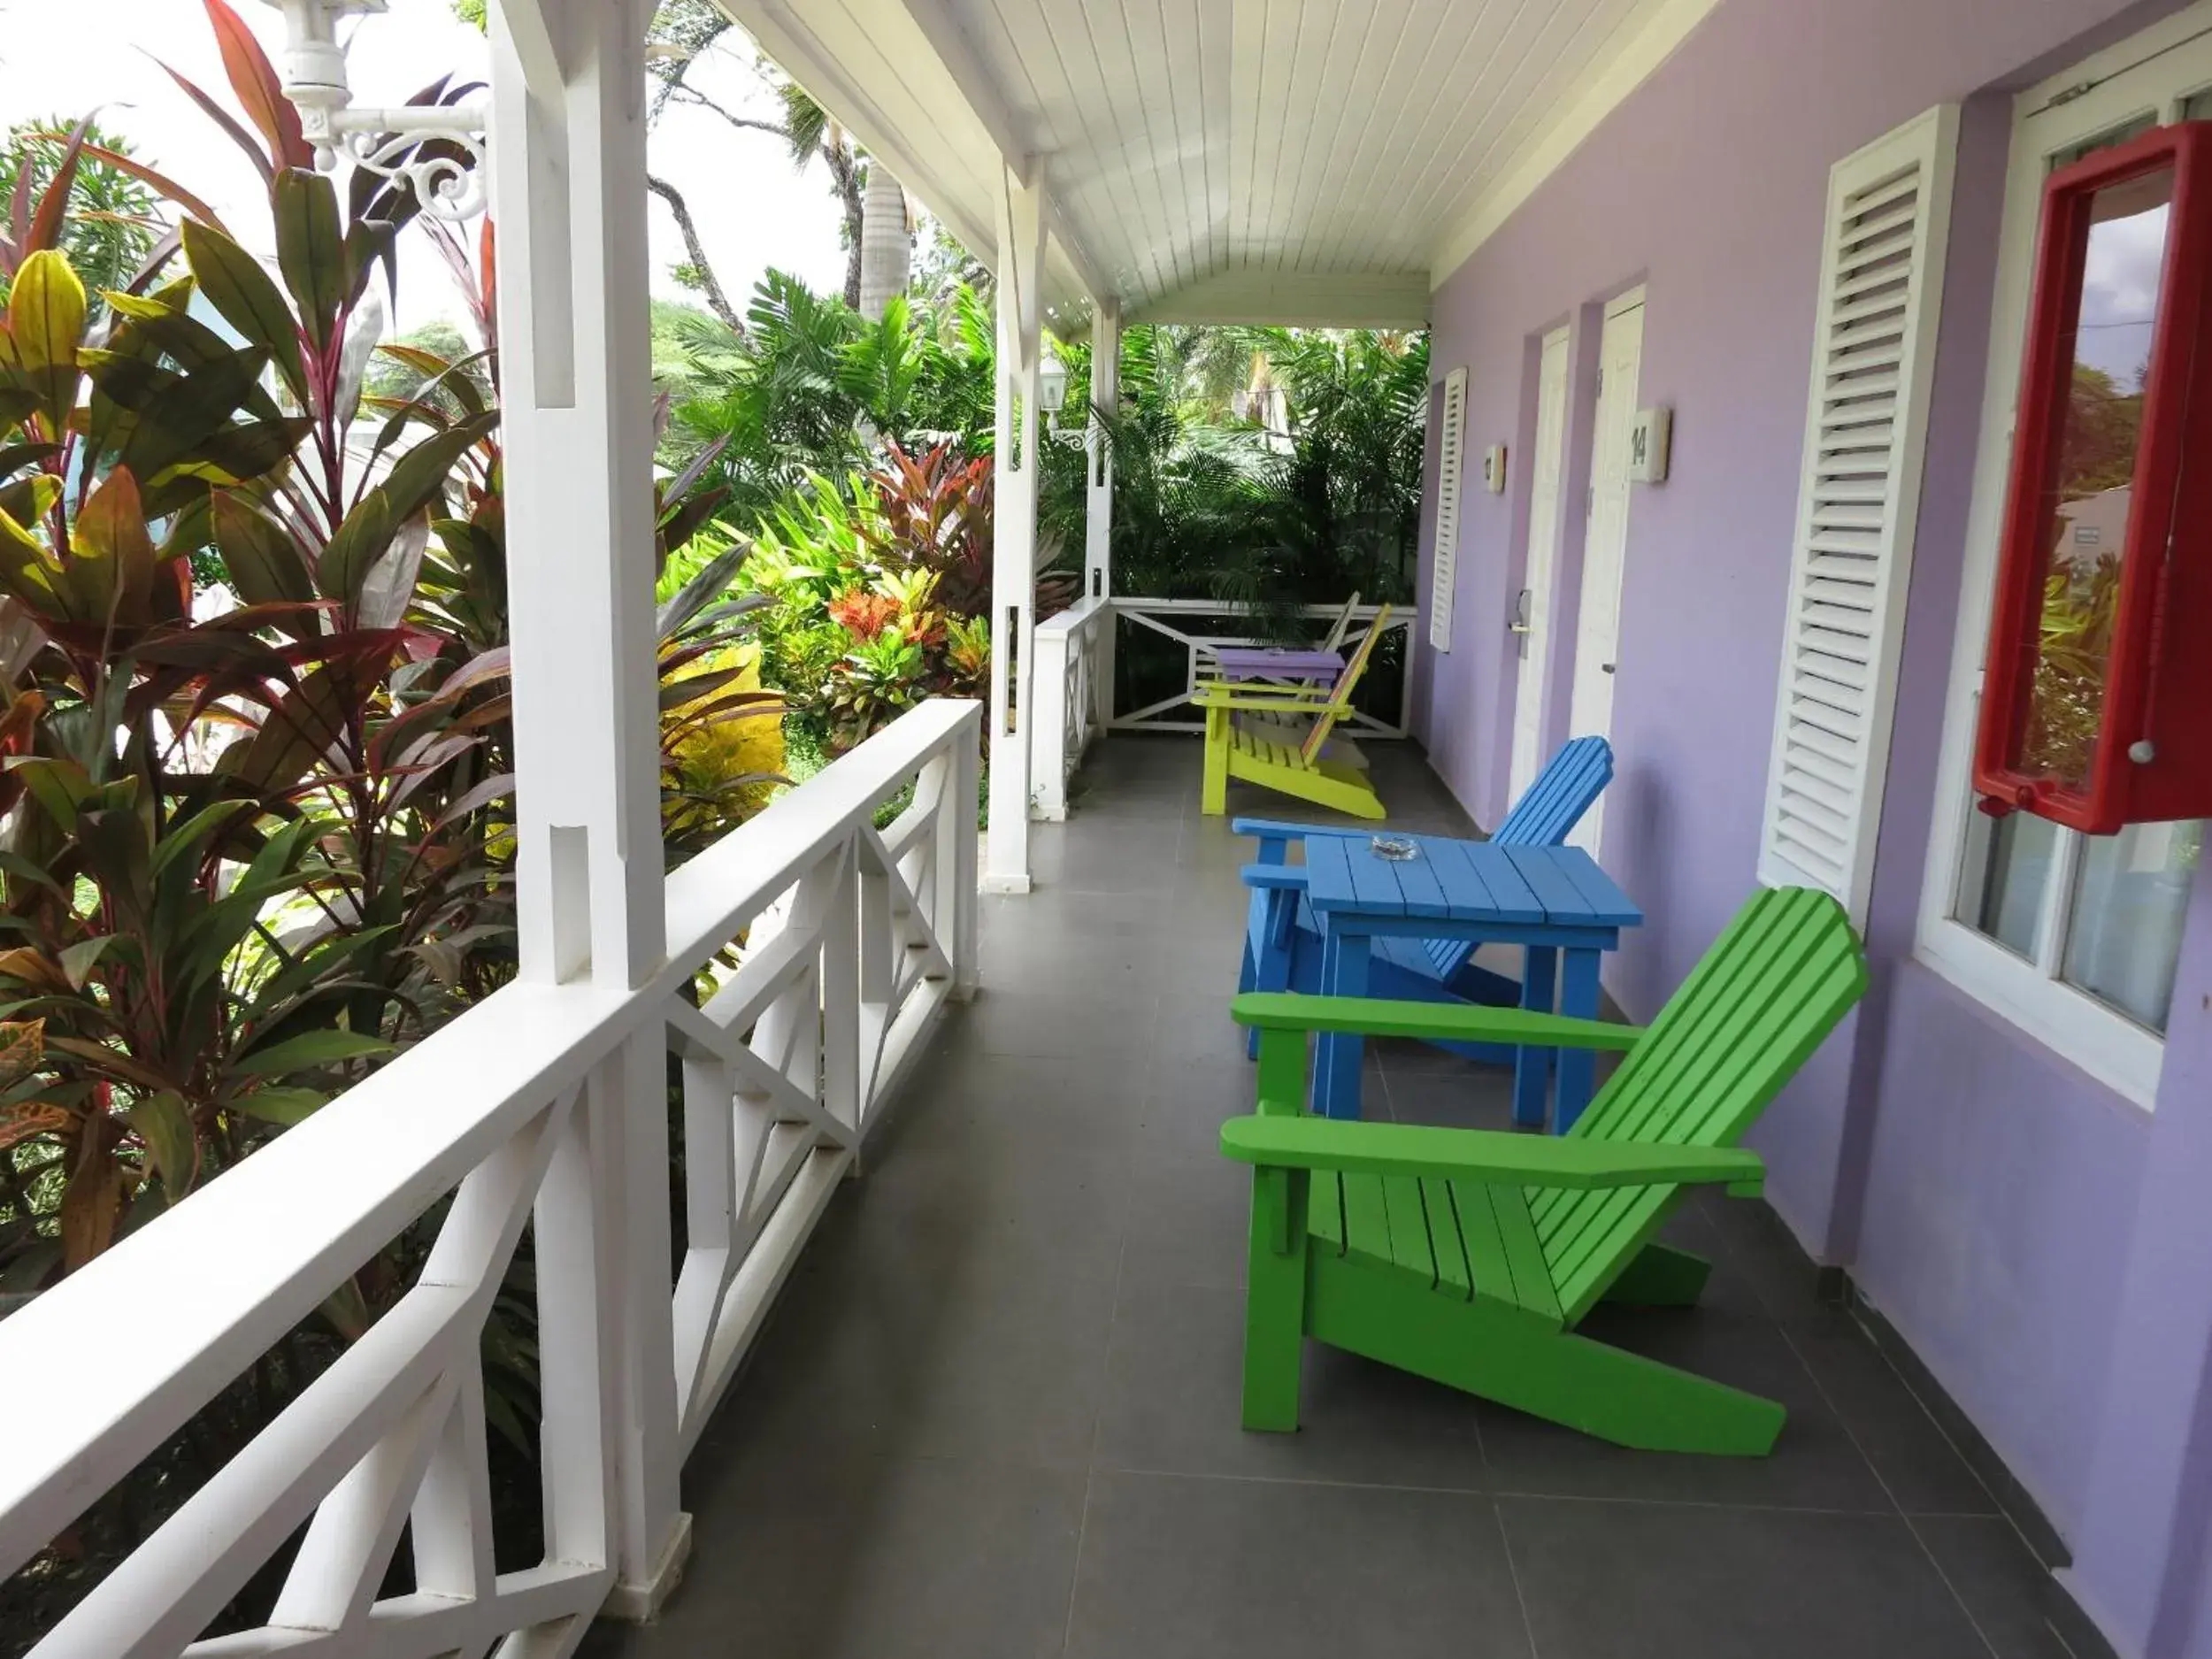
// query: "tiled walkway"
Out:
[995,1414]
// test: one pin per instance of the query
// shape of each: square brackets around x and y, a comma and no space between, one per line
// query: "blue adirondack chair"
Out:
[1282,945]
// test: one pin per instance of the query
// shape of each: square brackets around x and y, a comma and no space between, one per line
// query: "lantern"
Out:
[436,149]
[2097,700]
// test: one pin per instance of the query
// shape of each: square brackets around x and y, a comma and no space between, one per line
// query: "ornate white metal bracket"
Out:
[387,142]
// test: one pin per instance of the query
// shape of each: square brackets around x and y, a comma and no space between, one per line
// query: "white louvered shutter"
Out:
[1874,337]
[1451,465]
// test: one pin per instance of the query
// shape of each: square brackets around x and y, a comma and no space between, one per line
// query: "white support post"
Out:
[1105,399]
[1049,756]
[1098,526]
[955,870]
[1021,248]
[568,148]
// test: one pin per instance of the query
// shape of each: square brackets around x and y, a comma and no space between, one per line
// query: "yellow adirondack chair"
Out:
[1258,749]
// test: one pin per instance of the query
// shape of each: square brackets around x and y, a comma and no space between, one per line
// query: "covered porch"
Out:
[934,1345]
[996,1412]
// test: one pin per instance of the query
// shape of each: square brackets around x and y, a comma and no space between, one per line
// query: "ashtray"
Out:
[1399,847]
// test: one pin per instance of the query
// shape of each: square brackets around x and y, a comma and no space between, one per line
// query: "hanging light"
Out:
[1052,383]
[415,143]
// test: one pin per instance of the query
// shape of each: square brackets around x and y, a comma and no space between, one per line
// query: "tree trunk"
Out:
[710,289]
[845,175]
[886,250]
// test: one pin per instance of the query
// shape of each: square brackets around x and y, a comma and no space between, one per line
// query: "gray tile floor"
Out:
[995,1415]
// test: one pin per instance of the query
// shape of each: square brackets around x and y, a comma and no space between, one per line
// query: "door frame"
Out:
[1536,606]
[1591,830]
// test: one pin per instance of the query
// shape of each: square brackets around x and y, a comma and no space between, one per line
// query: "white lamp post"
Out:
[387,142]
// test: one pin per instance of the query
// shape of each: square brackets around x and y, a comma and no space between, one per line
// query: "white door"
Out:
[1533,621]
[1605,544]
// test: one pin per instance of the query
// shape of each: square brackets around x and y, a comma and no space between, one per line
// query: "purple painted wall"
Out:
[2024,1228]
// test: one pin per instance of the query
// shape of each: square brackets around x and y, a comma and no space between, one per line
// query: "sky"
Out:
[2119,293]
[754,209]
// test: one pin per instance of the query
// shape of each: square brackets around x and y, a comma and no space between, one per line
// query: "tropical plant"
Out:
[933,514]
[1185,492]
[1346,499]
[878,591]
[2103,432]
[811,389]
[145,855]
[257,837]
[873,684]
[2074,656]
[160,1030]
[1226,511]
[110,224]
[717,770]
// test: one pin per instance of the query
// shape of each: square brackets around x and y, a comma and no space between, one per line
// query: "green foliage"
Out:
[112,226]
[811,388]
[877,591]
[228,822]
[2103,427]
[942,268]
[2097,453]
[405,369]
[1260,522]
[2066,709]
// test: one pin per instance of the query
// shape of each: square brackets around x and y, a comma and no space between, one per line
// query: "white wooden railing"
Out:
[1072,684]
[1184,621]
[523,1109]
[1072,681]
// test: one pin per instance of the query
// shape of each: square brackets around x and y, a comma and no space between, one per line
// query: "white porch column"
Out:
[568,150]
[1105,397]
[1098,523]
[1021,248]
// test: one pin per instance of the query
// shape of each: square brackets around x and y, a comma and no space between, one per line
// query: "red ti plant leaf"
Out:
[228,122]
[487,278]
[254,79]
[45,229]
[112,529]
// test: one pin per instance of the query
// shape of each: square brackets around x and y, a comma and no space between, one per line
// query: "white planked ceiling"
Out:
[1305,161]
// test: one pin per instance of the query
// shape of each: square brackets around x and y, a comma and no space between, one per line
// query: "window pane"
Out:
[2087,500]
[2007,867]
[2128,903]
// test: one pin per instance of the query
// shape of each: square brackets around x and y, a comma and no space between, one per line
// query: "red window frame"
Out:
[2153,754]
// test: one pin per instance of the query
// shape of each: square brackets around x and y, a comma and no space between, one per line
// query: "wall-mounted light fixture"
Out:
[437,149]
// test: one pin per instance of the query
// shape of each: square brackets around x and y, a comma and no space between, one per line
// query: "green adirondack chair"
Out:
[1470,1256]
[1245,739]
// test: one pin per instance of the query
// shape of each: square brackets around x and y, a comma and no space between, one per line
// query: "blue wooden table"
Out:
[1553,900]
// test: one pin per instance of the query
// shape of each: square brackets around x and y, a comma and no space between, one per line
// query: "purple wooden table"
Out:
[1258,663]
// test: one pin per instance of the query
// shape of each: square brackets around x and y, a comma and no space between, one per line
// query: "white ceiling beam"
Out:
[1295,299]
[957,53]
[1666,26]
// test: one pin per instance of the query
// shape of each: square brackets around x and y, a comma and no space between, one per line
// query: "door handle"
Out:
[1605,668]
[1519,625]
